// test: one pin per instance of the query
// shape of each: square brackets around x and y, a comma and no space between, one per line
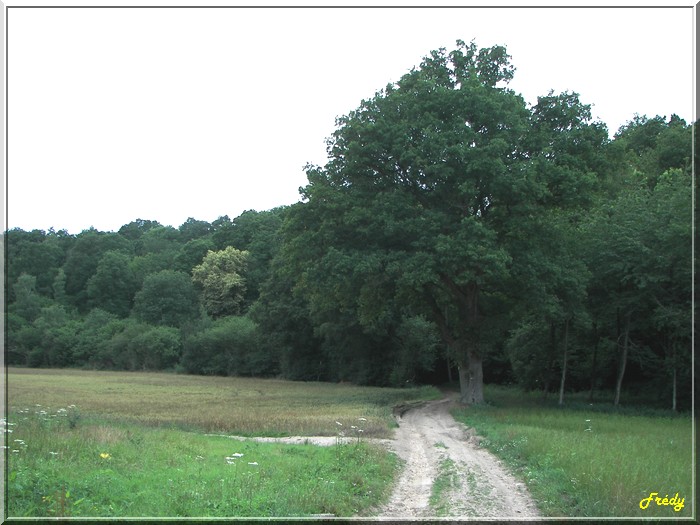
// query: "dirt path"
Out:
[475,483]
[434,448]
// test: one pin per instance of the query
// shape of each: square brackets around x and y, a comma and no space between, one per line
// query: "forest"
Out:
[456,233]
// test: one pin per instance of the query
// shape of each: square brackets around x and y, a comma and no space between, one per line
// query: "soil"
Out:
[433,446]
[428,439]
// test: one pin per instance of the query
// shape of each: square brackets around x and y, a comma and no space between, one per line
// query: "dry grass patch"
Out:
[104,435]
[234,405]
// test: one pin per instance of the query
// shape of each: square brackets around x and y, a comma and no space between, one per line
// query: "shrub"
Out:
[229,347]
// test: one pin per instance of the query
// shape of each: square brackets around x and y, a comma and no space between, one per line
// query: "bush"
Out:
[157,347]
[229,347]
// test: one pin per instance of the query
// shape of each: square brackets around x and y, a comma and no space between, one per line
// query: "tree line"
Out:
[455,229]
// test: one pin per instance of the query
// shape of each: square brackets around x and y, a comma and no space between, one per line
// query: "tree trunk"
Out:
[464,383]
[593,365]
[471,379]
[563,367]
[476,379]
[674,388]
[673,364]
[550,358]
[463,339]
[623,359]
[469,361]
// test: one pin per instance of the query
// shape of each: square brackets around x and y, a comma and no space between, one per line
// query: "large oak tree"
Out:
[426,185]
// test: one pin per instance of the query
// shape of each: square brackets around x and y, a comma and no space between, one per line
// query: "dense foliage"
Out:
[453,229]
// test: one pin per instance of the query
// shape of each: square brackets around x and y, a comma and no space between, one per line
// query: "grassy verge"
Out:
[588,461]
[135,446]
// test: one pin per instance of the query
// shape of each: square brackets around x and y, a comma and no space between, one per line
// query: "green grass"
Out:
[137,446]
[445,482]
[98,469]
[588,461]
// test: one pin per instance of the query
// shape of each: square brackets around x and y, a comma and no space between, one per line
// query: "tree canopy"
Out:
[428,188]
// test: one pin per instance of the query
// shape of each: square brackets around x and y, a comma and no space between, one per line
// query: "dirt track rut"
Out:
[430,441]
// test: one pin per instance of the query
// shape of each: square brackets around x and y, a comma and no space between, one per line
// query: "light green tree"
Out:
[220,279]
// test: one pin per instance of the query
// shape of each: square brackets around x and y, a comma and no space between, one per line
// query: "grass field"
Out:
[589,460]
[120,444]
[242,406]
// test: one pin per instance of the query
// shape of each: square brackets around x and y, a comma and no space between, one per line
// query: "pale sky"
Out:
[164,114]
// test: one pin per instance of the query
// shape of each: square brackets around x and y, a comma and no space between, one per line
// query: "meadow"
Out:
[130,444]
[240,405]
[589,460]
[119,444]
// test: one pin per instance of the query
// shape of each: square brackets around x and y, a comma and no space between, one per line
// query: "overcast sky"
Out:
[165,114]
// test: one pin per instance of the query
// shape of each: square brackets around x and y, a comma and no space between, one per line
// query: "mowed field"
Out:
[127,444]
